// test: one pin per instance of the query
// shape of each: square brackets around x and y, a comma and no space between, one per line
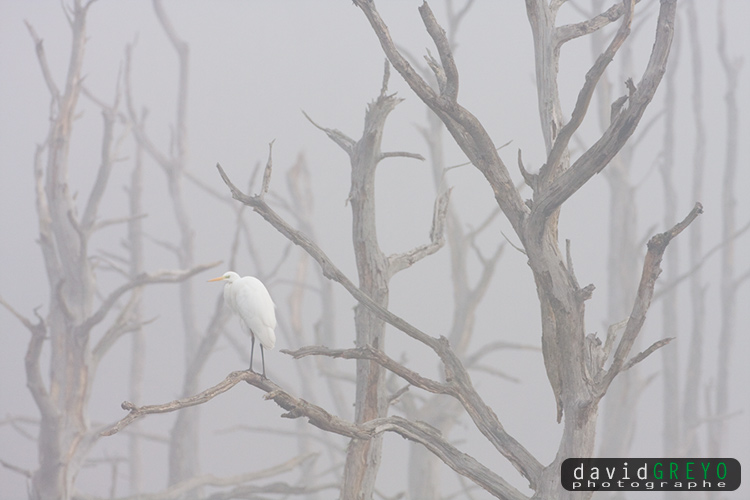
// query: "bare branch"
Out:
[587,91]
[399,262]
[496,346]
[571,31]
[344,141]
[469,162]
[462,463]
[463,126]
[622,127]
[141,280]
[138,126]
[42,57]
[178,490]
[105,169]
[483,416]
[24,472]
[450,91]
[651,270]
[31,327]
[668,287]
[279,488]
[529,178]
[136,412]
[402,154]
[116,220]
[644,354]
[267,171]
[496,372]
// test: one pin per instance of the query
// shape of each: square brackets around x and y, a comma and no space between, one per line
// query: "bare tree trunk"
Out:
[694,368]
[184,439]
[63,432]
[561,299]
[138,348]
[729,282]
[363,456]
[671,422]
[374,269]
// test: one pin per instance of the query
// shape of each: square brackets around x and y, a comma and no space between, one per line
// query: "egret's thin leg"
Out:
[263,358]
[252,349]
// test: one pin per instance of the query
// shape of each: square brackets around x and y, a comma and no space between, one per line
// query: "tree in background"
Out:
[389,395]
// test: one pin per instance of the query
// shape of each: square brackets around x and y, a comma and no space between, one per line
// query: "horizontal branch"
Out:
[136,412]
[571,31]
[400,154]
[416,431]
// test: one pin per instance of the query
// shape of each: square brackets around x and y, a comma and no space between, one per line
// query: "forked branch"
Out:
[657,245]
[415,431]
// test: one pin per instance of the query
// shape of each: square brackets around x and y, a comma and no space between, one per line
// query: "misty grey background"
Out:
[254,65]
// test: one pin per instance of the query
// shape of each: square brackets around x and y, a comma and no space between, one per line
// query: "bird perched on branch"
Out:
[250,300]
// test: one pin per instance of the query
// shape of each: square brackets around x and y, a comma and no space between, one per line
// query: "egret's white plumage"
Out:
[250,300]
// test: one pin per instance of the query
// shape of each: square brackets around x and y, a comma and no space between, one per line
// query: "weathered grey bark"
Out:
[619,407]
[561,299]
[63,438]
[374,269]
[363,457]
[425,469]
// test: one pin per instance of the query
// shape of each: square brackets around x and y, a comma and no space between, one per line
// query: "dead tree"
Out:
[576,389]
[375,270]
[65,437]
[730,281]
[184,439]
[619,407]
[580,369]
[425,470]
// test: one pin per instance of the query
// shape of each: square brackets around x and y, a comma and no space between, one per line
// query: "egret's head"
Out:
[229,276]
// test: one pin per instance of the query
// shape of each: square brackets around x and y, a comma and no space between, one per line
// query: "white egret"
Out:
[250,300]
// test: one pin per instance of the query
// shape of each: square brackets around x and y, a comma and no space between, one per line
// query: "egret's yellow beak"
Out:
[217,279]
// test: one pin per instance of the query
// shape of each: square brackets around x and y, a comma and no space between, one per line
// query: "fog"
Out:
[254,67]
